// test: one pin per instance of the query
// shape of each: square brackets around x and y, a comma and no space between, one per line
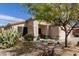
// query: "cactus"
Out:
[8,38]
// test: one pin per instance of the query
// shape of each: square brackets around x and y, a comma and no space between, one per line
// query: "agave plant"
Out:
[8,38]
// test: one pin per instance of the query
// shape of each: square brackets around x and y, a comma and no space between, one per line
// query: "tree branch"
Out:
[72,28]
[62,28]
[65,23]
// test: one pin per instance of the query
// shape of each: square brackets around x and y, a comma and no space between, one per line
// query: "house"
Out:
[36,28]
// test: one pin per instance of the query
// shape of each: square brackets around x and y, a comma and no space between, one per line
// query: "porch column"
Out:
[47,30]
[35,29]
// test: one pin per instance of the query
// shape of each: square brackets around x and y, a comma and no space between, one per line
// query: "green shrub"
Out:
[44,36]
[28,37]
[8,38]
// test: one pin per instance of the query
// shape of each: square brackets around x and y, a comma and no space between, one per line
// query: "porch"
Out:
[44,29]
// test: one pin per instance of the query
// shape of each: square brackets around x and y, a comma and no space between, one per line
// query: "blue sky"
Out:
[13,10]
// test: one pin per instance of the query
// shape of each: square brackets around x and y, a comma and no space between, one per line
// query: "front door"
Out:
[25,30]
[39,31]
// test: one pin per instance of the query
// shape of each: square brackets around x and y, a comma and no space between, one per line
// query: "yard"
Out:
[13,43]
[40,48]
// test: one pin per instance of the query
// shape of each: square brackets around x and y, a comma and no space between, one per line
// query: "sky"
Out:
[11,12]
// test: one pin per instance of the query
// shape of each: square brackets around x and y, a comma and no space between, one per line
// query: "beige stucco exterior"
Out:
[33,28]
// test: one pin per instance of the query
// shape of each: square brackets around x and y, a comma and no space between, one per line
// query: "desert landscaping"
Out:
[41,48]
[47,30]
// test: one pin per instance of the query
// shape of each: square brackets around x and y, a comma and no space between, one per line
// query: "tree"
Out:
[66,16]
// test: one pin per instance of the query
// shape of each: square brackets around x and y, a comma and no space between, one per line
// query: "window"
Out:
[20,29]
[23,30]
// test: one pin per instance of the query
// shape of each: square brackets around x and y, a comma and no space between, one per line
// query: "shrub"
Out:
[8,38]
[28,37]
[44,36]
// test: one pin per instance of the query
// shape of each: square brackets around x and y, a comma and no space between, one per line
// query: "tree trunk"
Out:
[66,35]
[66,45]
[67,32]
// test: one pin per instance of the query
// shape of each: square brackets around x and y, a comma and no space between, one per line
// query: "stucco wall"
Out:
[28,24]
[16,26]
[54,32]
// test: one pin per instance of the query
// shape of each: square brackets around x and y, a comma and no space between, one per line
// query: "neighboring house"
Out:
[35,27]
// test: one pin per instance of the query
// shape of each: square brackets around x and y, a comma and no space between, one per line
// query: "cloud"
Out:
[10,18]
[5,19]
